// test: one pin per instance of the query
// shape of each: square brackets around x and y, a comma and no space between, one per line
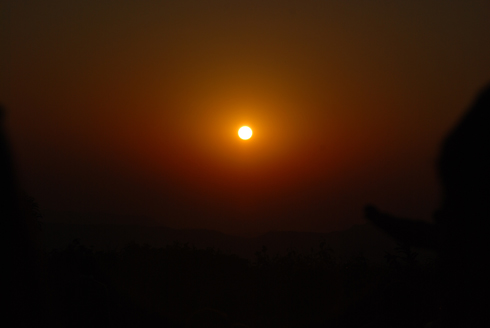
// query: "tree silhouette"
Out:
[21,260]
[462,224]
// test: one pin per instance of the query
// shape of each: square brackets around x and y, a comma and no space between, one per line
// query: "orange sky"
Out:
[133,107]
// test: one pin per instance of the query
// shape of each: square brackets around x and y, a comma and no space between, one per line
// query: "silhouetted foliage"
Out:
[180,285]
[462,224]
[19,215]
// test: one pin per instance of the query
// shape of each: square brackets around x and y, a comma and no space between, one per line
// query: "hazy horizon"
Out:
[133,107]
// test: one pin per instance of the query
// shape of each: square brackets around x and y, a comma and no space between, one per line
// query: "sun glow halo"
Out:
[245,132]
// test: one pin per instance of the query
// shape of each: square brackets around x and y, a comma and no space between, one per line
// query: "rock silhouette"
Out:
[462,224]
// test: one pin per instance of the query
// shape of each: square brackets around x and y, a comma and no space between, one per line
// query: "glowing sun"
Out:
[245,132]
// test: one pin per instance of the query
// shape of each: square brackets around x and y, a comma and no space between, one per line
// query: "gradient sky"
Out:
[133,107]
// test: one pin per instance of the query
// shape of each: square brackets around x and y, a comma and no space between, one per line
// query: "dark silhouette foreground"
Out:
[148,287]
[460,233]
[24,307]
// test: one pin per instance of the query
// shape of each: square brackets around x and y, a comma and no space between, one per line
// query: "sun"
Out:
[245,132]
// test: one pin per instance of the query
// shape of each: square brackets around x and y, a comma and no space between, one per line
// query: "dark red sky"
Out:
[132,107]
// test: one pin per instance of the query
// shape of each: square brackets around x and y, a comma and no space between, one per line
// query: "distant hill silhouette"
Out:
[358,239]
[72,217]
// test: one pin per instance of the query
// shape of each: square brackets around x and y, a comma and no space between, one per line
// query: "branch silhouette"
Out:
[462,223]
